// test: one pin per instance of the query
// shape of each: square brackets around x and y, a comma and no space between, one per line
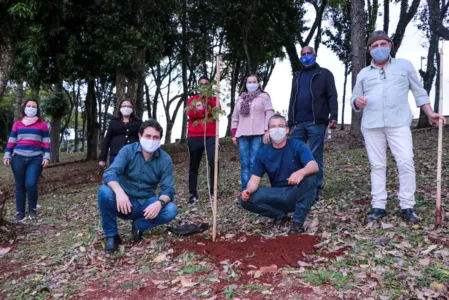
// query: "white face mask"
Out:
[30,111]
[252,87]
[277,134]
[126,111]
[149,146]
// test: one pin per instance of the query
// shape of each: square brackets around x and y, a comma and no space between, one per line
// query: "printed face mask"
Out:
[126,111]
[380,53]
[308,60]
[149,146]
[277,135]
[252,87]
[30,111]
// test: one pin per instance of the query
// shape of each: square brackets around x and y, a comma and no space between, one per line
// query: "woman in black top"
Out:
[123,130]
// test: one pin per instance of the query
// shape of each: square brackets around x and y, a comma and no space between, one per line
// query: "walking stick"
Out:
[440,145]
[217,104]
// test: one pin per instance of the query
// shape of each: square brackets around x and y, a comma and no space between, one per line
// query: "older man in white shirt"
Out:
[381,90]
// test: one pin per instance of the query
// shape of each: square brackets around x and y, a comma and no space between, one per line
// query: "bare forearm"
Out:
[253,184]
[310,168]
[427,109]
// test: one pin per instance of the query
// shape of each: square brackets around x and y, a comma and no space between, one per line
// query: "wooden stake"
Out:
[217,140]
[438,214]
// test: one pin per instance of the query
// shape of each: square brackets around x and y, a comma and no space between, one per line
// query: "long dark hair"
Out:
[244,90]
[118,114]
[38,115]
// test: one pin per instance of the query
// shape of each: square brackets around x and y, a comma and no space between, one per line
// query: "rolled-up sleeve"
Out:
[418,91]
[117,168]
[167,182]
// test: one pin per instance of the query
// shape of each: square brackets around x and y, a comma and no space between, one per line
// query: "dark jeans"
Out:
[248,146]
[314,134]
[108,209]
[196,149]
[111,159]
[276,202]
[27,171]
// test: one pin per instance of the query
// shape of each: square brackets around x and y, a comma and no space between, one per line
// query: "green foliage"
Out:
[55,106]
[205,92]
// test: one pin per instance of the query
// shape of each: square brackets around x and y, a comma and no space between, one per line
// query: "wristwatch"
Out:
[163,203]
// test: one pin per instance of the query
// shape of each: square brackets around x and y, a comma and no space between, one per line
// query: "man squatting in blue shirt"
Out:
[130,183]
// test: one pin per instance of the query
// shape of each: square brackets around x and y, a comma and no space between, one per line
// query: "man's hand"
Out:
[435,118]
[296,177]
[246,195]
[266,137]
[152,210]
[332,124]
[361,101]
[123,204]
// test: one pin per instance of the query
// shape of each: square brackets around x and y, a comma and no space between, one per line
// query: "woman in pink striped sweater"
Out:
[28,152]
[249,125]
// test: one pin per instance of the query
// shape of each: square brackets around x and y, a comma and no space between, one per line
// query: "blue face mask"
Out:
[380,53]
[308,59]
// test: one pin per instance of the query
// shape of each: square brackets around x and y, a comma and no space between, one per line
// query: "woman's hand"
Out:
[234,140]
[45,162]
[6,162]
[102,163]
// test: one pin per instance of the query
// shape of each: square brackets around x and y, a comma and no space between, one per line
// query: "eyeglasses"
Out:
[382,74]
[277,126]
[123,106]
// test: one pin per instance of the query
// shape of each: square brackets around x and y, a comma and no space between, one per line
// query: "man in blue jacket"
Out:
[313,106]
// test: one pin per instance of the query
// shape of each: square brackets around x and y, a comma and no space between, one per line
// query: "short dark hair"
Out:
[204,77]
[277,116]
[118,114]
[38,115]
[151,123]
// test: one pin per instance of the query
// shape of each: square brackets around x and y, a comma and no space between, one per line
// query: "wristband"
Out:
[163,203]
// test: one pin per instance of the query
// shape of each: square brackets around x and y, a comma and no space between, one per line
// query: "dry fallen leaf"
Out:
[158,282]
[229,236]
[160,258]
[187,282]
[386,225]
[424,262]
[269,269]
[3,251]
[430,249]
[257,274]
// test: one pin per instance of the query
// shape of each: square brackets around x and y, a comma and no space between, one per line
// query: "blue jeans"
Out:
[27,171]
[314,134]
[276,202]
[109,213]
[248,146]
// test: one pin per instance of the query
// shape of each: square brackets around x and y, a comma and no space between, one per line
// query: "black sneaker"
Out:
[137,234]
[376,214]
[409,216]
[192,199]
[112,243]
[296,228]
[32,214]
[280,222]
[19,217]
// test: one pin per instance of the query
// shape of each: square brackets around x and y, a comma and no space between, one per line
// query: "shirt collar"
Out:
[139,149]
[376,67]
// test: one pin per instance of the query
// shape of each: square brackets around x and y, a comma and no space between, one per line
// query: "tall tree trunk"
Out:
[19,101]
[120,86]
[139,95]
[76,96]
[91,121]
[386,15]
[428,77]
[55,127]
[147,98]
[5,61]
[358,35]
[83,139]
[405,17]
[35,92]
[234,82]
[184,62]
[343,106]
[295,63]
[436,106]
